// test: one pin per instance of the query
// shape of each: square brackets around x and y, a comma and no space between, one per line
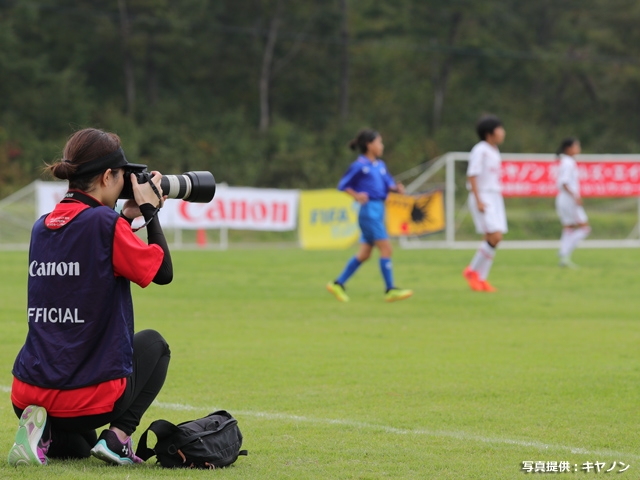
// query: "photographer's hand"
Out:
[143,193]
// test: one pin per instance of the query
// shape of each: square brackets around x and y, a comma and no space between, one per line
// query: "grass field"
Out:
[450,384]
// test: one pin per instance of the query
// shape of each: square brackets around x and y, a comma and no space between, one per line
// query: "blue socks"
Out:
[353,264]
[387,272]
[349,270]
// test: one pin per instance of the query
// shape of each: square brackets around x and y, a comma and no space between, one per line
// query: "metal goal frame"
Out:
[447,161]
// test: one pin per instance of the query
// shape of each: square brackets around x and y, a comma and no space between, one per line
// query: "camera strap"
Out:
[155,190]
[75,195]
[157,209]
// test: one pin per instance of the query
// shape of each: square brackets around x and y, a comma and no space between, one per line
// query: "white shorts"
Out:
[569,211]
[494,218]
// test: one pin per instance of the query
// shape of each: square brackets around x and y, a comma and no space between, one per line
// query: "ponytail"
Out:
[363,139]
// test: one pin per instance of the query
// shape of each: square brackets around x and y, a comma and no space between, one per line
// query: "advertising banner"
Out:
[414,214]
[328,220]
[238,208]
[48,194]
[597,179]
[232,207]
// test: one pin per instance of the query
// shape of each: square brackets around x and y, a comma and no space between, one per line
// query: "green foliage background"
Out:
[549,69]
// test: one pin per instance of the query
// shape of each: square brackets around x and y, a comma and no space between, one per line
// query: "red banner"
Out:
[597,179]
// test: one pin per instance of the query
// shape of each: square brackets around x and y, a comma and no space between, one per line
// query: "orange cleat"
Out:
[472,278]
[487,287]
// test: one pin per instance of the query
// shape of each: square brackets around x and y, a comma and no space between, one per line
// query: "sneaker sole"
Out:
[25,448]
[338,297]
[101,451]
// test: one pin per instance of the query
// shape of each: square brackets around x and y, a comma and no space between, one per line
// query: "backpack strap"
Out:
[162,429]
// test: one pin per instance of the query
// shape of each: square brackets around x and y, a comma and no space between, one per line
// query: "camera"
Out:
[198,187]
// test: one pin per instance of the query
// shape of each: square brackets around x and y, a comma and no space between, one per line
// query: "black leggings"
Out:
[74,437]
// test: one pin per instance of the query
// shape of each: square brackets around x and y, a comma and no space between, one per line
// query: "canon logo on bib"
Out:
[53,269]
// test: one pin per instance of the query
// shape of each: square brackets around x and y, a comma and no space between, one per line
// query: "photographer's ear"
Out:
[106,177]
[110,176]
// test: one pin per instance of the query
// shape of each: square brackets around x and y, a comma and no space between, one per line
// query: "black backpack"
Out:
[210,442]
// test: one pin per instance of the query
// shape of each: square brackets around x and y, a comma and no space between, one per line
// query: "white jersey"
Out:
[485,164]
[568,175]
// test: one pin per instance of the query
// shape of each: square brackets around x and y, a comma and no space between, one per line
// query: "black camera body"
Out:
[198,187]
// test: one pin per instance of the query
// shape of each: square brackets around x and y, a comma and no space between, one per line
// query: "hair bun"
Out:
[63,169]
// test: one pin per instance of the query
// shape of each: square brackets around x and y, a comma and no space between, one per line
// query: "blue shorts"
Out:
[371,221]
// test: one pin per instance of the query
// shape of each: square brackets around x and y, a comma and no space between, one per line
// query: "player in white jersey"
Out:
[575,224]
[485,200]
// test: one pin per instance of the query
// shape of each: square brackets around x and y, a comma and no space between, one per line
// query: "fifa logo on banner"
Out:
[340,220]
[329,215]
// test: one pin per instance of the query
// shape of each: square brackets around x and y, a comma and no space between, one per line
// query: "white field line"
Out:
[465,437]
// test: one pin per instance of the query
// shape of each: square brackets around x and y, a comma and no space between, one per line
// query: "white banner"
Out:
[232,207]
[237,208]
[47,195]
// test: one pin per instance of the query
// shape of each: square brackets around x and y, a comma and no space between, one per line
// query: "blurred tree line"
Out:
[268,92]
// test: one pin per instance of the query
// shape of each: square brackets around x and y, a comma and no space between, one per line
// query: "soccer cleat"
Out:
[395,294]
[472,278]
[337,290]
[110,449]
[487,287]
[29,449]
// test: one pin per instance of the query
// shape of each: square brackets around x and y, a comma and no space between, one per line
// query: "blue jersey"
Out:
[369,177]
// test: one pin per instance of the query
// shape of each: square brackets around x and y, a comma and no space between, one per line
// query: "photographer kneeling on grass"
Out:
[81,366]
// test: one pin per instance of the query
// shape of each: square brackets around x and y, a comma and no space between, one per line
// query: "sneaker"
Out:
[472,278]
[29,448]
[110,449]
[487,287]
[395,294]
[338,291]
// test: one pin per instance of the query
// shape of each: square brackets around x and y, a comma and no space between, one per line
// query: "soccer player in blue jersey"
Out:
[368,182]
